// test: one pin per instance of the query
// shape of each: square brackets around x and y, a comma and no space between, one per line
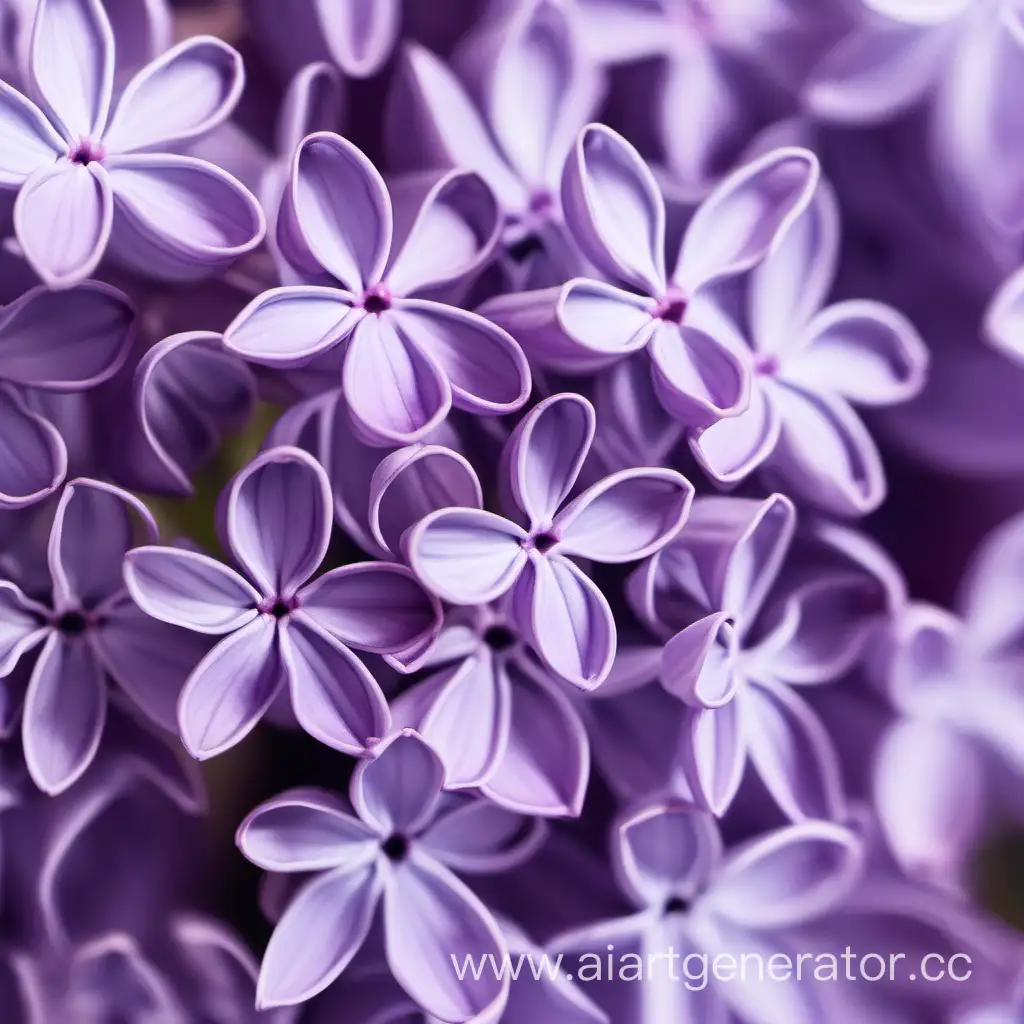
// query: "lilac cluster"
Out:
[482,483]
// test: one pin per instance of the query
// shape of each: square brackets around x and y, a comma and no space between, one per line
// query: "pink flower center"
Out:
[86,152]
[767,366]
[377,299]
[672,308]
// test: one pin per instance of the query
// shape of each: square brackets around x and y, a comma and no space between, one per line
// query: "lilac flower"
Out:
[710,584]
[399,851]
[90,631]
[70,157]
[470,557]
[806,365]
[37,350]
[691,898]
[617,216]
[970,56]
[278,629]
[406,360]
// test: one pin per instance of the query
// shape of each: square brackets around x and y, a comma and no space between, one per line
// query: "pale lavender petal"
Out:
[22,626]
[466,556]
[930,790]
[278,519]
[63,217]
[792,752]
[737,225]
[289,326]
[414,481]
[142,31]
[568,620]
[867,352]
[697,379]
[71,68]
[112,971]
[665,850]
[38,350]
[305,830]
[359,33]
[1004,319]
[312,102]
[545,766]
[65,709]
[446,229]
[919,12]
[27,141]
[33,459]
[478,837]
[546,453]
[787,877]
[698,663]
[183,94]
[230,689]
[373,606]
[734,447]
[484,365]
[189,589]
[716,755]
[180,217]
[336,213]
[627,516]
[396,390]
[320,932]
[428,914]
[614,209]
[334,696]
[397,789]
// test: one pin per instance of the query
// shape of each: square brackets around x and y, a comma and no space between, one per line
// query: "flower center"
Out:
[674,905]
[672,308]
[499,638]
[541,542]
[377,299]
[86,152]
[396,848]
[278,607]
[542,202]
[767,366]
[72,623]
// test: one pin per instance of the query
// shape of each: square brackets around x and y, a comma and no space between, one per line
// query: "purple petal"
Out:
[614,209]
[788,876]
[716,755]
[929,788]
[396,390]
[180,217]
[397,790]
[484,365]
[359,33]
[665,850]
[841,470]
[545,766]
[320,932]
[336,213]
[373,606]
[568,620]
[312,102]
[287,327]
[335,698]
[37,350]
[919,12]
[92,531]
[477,837]
[112,972]
[142,31]
[697,664]
[65,709]
[183,94]
[33,459]
[28,140]
[413,482]
[697,379]
[230,689]
[189,589]
[546,453]
[734,447]
[792,752]
[736,226]
[627,516]
[466,556]
[71,66]
[22,626]
[448,226]
[305,830]
[62,217]
[428,913]
[278,519]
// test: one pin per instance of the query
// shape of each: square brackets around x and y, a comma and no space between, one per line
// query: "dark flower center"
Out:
[526,246]
[674,905]
[671,309]
[377,300]
[278,607]
[499,638]
[86,152]
[396,848]
[767,366]
[544,542]
[72,623]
